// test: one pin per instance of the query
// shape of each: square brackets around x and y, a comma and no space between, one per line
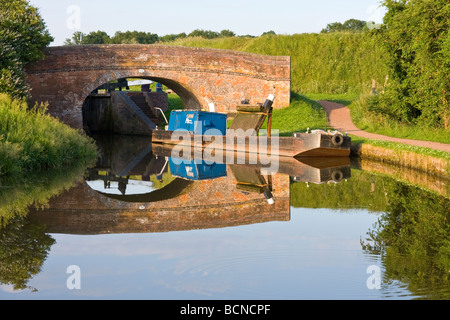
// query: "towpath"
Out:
[339,118]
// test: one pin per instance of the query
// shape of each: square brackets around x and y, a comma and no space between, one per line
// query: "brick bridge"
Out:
[67,75]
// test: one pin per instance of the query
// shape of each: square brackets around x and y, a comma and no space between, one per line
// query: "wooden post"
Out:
[269,123]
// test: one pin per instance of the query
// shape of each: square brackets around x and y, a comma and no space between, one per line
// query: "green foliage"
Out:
[77,39]
[370,115]
[340,62]
[362,190]
[301,114]
[351,25]
[99,37]
[207,34]
[24,247]
[133,37]
[172,37]
[23,35]
[269,33]
[415,39]
[137,37]
[414,233]
[33,140]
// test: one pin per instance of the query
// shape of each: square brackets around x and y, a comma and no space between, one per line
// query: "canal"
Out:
[143,224]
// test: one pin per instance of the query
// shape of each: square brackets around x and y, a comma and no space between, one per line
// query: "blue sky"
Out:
[64,17]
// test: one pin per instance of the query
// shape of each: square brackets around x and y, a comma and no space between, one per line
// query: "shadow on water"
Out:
[137,187]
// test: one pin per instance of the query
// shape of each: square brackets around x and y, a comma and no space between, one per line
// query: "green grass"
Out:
[403,147]
[301,114]
[337,67]
[30,139]
[343,98]
[373,122]
[320,63]
[366,118]
[305,112]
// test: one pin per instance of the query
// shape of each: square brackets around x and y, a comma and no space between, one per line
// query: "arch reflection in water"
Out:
[184,194]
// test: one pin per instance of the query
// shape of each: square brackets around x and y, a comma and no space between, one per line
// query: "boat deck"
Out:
[299,145]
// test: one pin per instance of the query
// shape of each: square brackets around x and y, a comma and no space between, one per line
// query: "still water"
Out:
[145,225]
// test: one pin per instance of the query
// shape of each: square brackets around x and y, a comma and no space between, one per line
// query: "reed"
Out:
[30,139]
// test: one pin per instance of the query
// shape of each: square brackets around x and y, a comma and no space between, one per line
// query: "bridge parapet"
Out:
[67,75]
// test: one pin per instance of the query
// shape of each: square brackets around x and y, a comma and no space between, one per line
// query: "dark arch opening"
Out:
[122,107]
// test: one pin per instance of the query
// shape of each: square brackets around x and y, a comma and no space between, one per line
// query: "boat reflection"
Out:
[139,187]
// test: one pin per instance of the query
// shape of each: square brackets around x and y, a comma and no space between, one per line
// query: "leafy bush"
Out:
[416,42]
[23,34]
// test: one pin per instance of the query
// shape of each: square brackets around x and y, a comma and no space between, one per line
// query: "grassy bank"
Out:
[427,160]
[367,117]
[301,114]
[304,112]
[31,140]
[320,63]
[339,67]
[335,66]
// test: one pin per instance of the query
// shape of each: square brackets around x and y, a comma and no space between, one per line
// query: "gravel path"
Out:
[339,118]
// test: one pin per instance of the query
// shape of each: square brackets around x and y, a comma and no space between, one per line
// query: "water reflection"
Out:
[139,191]
[24,245]
[170,189]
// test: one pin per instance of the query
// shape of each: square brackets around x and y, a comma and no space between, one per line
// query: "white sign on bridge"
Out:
[139,82]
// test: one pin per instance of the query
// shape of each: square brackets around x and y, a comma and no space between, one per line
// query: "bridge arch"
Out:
[67,75]
[188,96]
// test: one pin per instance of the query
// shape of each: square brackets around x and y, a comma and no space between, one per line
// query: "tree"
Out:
[208,34]
[96,37]
[23,35]
[351,25]
[354,25]
[227,33]
[269,33]
[134,37]
[415,37]
[77,39]
[172,37]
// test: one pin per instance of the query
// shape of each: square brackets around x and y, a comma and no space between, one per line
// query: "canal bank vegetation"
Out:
[32,140]
[19,192]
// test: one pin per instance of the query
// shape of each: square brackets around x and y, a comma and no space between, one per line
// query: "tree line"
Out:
[139,37]
[351,25]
